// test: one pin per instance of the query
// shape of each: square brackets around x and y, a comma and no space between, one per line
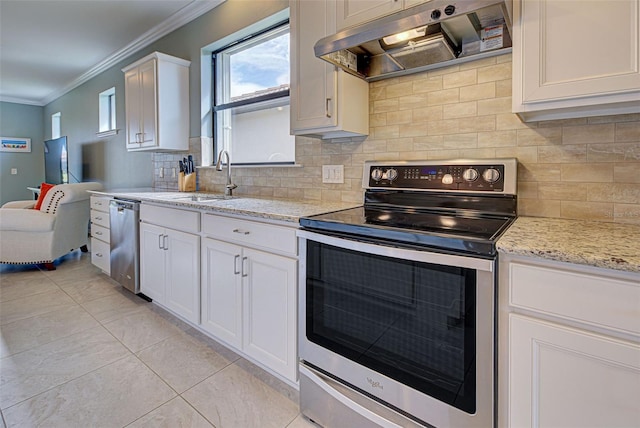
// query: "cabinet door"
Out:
[564,377]
[354,12]
[149,103]
[152,262]
[222,291]
[270,310]
[314,80]
[133,108]
[183,274]
[560,62]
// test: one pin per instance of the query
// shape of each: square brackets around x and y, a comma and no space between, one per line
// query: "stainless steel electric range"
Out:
[397,297]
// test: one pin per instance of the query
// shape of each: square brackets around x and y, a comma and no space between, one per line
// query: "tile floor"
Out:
[79,351]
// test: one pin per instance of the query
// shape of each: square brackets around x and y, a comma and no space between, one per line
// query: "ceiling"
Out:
[48,47]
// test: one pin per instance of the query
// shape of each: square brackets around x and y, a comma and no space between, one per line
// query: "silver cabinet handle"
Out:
[98,218]
[98,254]
[165,242]
[242,232]
[160,241]
[327,111]
[236,271]
[98,233]
[245,271]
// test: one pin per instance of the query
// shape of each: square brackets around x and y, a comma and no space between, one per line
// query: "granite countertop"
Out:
[606,245]
[272,209]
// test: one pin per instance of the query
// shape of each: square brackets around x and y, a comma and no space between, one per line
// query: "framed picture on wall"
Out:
[13,144]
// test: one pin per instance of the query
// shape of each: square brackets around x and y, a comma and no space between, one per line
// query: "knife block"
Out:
[187,182]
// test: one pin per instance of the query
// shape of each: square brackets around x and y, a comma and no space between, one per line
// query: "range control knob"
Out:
[447,179]
[392,174]
[491,175]
[449,10]
[435,14]
[376,174]
[470,174]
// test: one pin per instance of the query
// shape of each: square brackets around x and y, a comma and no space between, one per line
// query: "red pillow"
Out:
[44,189]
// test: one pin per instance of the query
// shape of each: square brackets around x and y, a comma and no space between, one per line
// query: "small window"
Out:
[251,81]
[55,125]
[107,110]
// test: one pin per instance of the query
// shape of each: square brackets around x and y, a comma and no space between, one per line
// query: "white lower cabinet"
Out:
[170,261]
[566,377]
[569,345]
[100,233]
[249,294]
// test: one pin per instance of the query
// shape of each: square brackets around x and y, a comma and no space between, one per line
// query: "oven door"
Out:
[411,328]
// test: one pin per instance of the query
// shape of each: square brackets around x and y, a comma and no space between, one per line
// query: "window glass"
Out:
[55,125]
[252,99]
[107,110]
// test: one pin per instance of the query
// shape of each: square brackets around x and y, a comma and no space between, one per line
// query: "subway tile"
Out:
[460,78]
[428,84]
[539,136]
[452,111]
[527,190]
[399,90]
[540,172]
[445,96]
[504,88]
[627,132]
[538,208]
[428,113]
[626,213]
[588,134]
[614,152]
[412,101]
[389,131]
[399,117]
[497,139]
[477,124]
[494,73]
[510,121]
[439,127]
[523,154]
[625,193]
[563,191]
[478,92]
[587,172]
[586,210]
[383,106]
[461,141]
[562,154]
[494,106]
[626,173]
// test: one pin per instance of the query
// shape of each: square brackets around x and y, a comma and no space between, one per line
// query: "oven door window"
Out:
[414,322]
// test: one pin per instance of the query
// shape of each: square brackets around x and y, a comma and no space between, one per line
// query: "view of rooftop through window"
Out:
[260,69]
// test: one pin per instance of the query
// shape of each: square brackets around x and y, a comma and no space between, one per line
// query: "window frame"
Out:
[248,102]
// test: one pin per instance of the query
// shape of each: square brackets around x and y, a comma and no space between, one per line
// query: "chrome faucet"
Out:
[228,191]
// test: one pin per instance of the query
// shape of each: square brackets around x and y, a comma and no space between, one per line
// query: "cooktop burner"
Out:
[461,206]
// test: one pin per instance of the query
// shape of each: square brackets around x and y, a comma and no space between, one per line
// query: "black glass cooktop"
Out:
[467,231]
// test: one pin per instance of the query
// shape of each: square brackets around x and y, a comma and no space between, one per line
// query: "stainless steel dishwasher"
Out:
[124,218]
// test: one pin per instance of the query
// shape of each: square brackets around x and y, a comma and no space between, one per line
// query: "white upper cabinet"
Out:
[354,12]
[575,59]
[325,101]
[157,103]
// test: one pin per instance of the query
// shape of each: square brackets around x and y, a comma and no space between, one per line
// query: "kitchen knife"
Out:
[181,166]
[191,168]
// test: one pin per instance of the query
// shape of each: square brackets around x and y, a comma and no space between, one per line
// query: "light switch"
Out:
[14,171]
[161,172]
[333,173]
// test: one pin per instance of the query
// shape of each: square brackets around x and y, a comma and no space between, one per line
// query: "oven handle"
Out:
[325,384]
[400,253]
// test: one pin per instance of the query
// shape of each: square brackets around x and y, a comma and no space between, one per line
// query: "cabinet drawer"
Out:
[588,298]
[101,233]
[100,218]
[255,234]
[100,255]
[100,203]
[187,221]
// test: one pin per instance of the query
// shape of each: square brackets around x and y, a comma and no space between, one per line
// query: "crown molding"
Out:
[26,101]
[185,15]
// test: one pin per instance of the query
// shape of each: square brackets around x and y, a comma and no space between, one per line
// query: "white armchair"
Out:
[29,236]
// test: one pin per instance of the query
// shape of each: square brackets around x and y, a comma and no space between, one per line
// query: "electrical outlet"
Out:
[173,173]
[333,173]
[161,173]
[14,171]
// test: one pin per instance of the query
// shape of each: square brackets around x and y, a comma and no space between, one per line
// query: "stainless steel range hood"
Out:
[430,35]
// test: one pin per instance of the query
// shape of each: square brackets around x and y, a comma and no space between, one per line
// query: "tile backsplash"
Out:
[586,168]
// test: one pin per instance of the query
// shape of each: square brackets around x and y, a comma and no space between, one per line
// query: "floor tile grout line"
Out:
[66,382]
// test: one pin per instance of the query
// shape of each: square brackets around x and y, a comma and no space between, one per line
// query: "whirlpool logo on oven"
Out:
[374,383]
